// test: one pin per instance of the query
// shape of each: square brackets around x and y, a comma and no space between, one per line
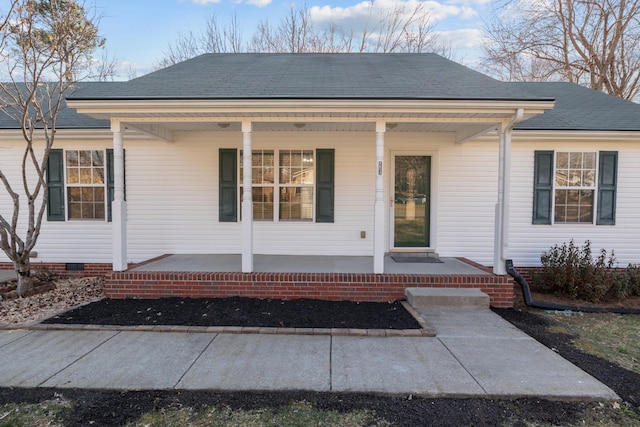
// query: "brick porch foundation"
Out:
[328,286]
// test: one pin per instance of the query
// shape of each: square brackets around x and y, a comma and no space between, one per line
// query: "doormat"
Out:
[415,259]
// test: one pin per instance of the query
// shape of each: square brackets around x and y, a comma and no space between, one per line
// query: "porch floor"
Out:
[232,263]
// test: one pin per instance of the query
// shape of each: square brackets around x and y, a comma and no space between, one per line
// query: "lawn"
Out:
[613,337]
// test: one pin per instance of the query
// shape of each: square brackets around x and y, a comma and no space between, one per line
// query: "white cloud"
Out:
[467,38]
[259,3]
[205,1]
[358,15]
[470,2]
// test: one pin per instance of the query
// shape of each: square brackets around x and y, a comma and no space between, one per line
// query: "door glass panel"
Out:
[411,201]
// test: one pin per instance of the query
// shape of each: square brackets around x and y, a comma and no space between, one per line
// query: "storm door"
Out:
[411,203]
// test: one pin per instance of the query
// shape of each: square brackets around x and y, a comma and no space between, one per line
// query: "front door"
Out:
[411,204]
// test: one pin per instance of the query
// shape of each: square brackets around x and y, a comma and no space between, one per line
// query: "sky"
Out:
[138,32]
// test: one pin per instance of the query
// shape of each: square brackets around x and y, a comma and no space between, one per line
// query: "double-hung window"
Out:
[80,184]
[282,184]
[262,184]
[287,185]
[575,187]
[85,179]
[296,179]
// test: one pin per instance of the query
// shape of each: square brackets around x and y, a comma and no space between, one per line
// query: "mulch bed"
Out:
[236,311]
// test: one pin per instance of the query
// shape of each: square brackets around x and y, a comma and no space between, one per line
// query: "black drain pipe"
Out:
[526,293]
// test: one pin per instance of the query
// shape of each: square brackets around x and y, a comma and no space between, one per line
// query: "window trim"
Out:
[593,188]
[277,186]
[56,175]
[324,185]
[605,193]
[68,185]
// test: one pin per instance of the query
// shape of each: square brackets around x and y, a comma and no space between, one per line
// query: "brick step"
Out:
[446,297]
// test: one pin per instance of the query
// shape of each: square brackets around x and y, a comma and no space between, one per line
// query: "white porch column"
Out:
[247,200]
[378,209]
[501,235]
[119,205]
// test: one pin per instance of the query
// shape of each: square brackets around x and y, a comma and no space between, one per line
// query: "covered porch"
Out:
[290,277]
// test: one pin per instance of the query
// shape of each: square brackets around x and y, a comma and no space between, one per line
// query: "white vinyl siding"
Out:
[172,199]
[527,241]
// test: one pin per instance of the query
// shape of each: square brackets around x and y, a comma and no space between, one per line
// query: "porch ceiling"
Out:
[305,126]
[466,125]
[468,118]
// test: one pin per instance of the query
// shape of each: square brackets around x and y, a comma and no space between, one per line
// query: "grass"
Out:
[597,414]
[613,337]
[50,413]
[295,414]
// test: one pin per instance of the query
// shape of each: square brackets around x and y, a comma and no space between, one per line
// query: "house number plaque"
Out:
[380,168]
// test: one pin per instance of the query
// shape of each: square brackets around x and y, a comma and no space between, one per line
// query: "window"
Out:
[85,184]
[262,179]
[296,177]
[80,184]
[294,184]
[578,187]
[575,184]
[286,185]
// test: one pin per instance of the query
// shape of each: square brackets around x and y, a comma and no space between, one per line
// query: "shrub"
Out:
[570,270]
[628,283]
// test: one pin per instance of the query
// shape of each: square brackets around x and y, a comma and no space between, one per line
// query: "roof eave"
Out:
[108,108]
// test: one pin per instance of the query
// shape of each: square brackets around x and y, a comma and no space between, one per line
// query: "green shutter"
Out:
[228,185]
[607,180]
[111,181]
[324,185]
[55,185]
[542,186]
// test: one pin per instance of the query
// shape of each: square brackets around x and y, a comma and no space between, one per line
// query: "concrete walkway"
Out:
[476,353]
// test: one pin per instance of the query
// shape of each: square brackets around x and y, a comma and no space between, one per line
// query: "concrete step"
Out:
[446,297]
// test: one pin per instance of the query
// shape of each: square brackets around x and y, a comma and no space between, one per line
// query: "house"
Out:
[354,156]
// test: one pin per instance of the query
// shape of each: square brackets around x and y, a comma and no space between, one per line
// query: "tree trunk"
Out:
[25,281]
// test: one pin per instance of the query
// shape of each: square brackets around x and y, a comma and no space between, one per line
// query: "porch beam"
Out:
[330,118]
[378,209]
[154,130]
[119,205]
[501,233]
[473,133]
[247,200]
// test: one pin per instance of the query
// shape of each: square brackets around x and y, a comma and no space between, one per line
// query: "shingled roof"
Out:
[258,76]
[581,109]
[67,118]
[313,76]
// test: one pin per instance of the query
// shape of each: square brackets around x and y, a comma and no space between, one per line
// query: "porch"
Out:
[289,277]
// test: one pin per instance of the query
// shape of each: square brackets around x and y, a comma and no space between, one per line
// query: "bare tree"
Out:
[216,38]
[44,45]
[294,33]
[105,68]
[403,28]
[591,42]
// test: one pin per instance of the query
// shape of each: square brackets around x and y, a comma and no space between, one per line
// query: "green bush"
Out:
[573,271]
[628,284]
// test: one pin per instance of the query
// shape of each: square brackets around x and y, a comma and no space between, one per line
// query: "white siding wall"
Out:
[71,241]
[173,199]
[172,194]
[528,241]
